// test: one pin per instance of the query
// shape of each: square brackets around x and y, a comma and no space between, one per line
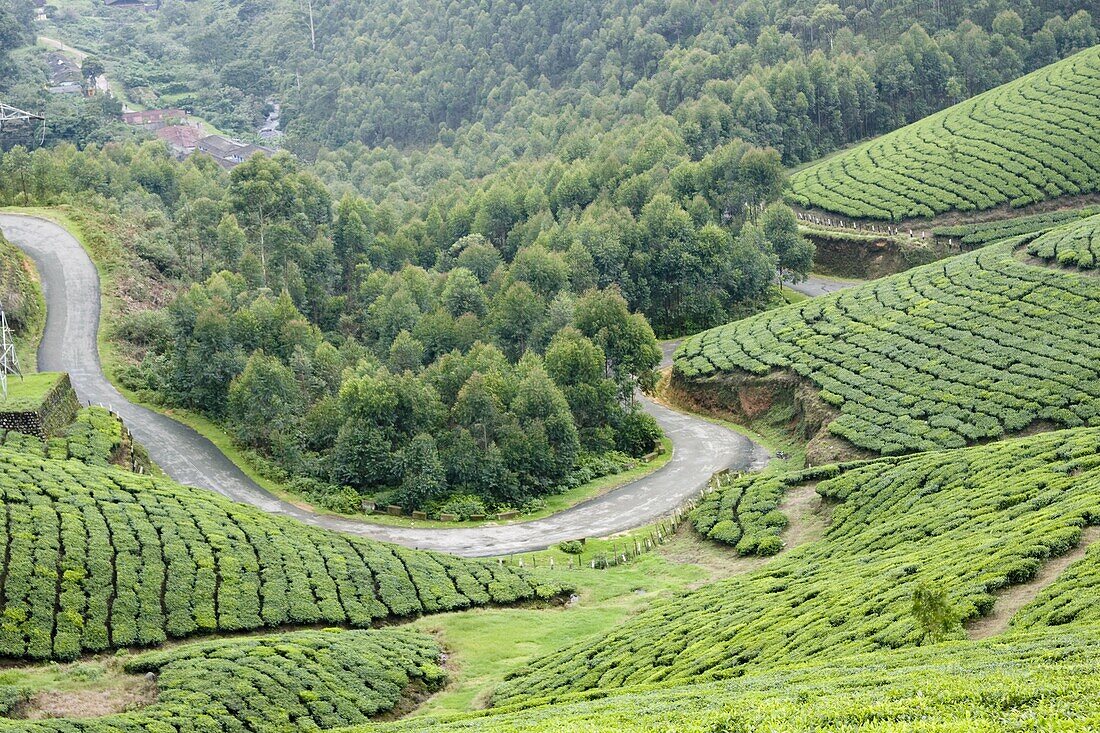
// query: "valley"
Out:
[581,365]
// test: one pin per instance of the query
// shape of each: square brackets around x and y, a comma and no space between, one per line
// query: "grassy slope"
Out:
[19,278]
[1043,680]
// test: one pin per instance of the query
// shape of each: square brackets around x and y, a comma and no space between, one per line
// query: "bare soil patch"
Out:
[808,516]
[1014,597]
[89,703]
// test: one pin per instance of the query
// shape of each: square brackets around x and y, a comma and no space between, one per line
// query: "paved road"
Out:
[816,285]
[71,287]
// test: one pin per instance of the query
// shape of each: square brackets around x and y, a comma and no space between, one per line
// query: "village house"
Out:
[182,140]
[155,119]
[230,153]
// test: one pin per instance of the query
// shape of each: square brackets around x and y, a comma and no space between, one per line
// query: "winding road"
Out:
[70,284]
[816,285]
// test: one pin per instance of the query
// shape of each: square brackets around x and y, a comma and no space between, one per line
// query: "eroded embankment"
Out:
[779,400]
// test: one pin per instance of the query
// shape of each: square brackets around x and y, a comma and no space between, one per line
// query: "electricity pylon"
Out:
[9,114]
[9,362]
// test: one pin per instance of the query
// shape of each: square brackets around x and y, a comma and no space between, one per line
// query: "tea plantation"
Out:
[1072,245]
[978,234]
[1033,139]
[1043,680]
[743,511]
[99,558]
[95,437]
[967,349]
[969,521]
[307,680]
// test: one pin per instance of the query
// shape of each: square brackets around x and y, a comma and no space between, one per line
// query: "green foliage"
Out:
[1025,142]
[463,507]
[743,511]
[99,559]
[970,521]
[934,616]
[982,233]
[1071,245]
[1009,683]
[20,294]
[969,349]
[794,253]
[1071,598]
[309,679]
[571,547]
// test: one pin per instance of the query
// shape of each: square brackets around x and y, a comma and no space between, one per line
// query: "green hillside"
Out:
[306,680]
[968,521]
[1072,245]
[1030,140]
[968,349]
[1044,680]
[21,297]
[99,558]
[977,234]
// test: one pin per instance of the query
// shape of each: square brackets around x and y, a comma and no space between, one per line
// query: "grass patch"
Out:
[789,295]
[486,644]
[28,393]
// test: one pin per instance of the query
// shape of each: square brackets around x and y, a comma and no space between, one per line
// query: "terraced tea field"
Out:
[1072,245]
[979,234]
[1039,680]
[307,680]
[969,521]
[97,559]
[1033,139]
[972,348]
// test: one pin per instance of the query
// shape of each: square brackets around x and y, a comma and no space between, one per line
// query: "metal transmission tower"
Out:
[9,115]
[9,362]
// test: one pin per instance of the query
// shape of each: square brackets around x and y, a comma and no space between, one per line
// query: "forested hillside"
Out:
[442,297]
[356,359]
[651,142]
[349,71]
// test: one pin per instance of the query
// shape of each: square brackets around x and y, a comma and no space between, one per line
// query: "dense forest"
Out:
[647,134]
[354,362]
[454,290]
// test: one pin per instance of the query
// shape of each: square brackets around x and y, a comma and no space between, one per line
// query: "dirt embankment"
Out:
[867,257]
[868,254]
[781,400]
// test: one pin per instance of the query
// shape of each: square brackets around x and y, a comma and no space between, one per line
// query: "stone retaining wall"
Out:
[55,413]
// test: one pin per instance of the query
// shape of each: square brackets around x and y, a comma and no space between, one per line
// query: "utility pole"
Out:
[312,32]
